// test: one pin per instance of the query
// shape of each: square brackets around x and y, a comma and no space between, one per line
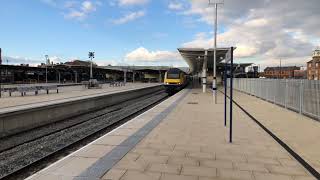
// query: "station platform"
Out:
[181,138]
[67,93]
[300,132]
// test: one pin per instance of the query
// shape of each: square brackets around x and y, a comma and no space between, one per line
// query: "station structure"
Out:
[78,72]
[200,61]
[184,137]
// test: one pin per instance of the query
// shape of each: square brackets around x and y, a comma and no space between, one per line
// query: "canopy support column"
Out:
[204,72]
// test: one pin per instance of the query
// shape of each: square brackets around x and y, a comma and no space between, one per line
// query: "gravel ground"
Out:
[50,139]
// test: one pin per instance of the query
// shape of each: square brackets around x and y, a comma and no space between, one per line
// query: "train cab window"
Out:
[174,76]
[173,73]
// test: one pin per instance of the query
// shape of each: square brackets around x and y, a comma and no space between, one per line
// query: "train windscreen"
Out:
[173,74]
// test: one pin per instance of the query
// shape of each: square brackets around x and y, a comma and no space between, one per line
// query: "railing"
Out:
[302,96]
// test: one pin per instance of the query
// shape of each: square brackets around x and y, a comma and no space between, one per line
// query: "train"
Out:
[175,80]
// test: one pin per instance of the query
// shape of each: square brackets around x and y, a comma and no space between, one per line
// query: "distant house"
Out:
[300,74]
[313,66]
[280,72]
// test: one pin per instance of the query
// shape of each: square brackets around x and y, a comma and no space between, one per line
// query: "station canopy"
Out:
[195,57]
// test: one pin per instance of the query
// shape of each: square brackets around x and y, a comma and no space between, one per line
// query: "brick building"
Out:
[300,74]
[280,72]
[313,66]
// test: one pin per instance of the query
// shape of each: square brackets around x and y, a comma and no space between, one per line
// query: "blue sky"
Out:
[148,32]
[35,28]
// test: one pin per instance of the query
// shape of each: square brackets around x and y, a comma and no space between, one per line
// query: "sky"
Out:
[148,32]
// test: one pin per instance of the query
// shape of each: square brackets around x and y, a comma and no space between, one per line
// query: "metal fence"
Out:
[302,96]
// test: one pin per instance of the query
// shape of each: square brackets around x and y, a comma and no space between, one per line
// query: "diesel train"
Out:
[175,80]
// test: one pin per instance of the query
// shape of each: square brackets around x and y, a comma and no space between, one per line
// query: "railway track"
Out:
[22,151]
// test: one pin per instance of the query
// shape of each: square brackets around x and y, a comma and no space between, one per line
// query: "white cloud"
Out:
[73,14]
[17,60]
[175,6]
[132,2]
[129,17]
[88,6]
[55,59]
[142,54]
[264,29]
[72,9]
[257,22]
[81,12]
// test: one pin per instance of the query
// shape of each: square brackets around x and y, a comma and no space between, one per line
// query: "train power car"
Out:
[175,80]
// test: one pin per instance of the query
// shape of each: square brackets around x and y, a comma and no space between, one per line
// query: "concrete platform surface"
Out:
[300,132]
[65,93]
[181,138]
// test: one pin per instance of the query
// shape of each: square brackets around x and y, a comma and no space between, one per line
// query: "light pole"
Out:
[91,56]
[214,81]
[47,62]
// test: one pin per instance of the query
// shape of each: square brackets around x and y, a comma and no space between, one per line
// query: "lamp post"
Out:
[47,62]
[214,81]
[91,56]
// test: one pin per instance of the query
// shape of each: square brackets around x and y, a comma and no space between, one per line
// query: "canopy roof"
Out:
[195,57]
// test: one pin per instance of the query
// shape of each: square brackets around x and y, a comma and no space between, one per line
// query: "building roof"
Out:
[317,59]
[284,68]
[195,57]
[143,68]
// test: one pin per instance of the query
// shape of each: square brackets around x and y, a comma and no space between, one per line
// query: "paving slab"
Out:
[201,148]
[186,141]
[110,148]
[299,132]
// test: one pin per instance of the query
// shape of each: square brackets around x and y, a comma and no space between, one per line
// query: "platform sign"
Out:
[228,58]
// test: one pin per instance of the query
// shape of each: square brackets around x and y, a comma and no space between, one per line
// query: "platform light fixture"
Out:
[214,81]
[91,56]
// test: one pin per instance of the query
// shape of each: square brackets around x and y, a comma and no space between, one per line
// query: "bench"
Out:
[85,83]
[24,89]
[50,87]
[9,90]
